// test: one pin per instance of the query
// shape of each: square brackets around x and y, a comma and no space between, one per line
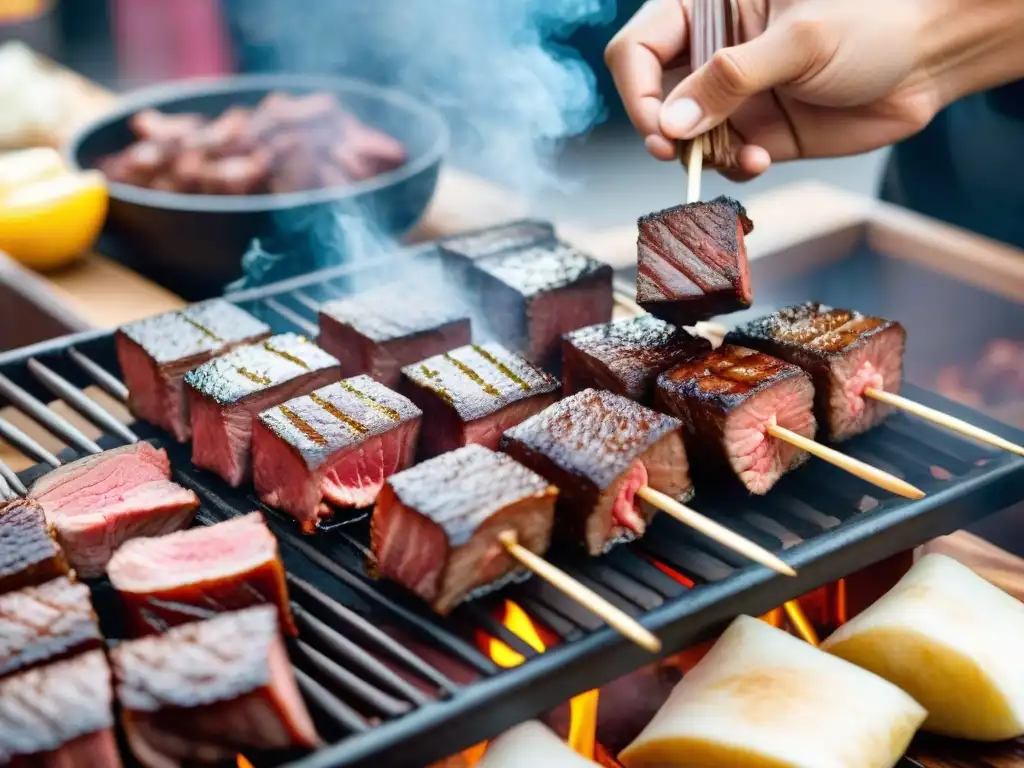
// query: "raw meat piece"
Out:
[435,527]
[195,574]
[97,503]
[29,553]
[845,353]
[692,261]
[226,394]
[59,716]
[45,623]
[473,394]
[379,332]
[208,690]
[333,447]
[532,297]
[599,448]
[727,400]
[156,353]
[626,356]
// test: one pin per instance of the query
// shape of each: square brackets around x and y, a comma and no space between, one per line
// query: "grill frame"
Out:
[478,710]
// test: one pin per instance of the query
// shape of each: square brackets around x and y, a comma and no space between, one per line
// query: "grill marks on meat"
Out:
[97,503]
[155,354]
[379,332]
[599,448]
[199,573]
[334,447]
[436,525]
[207,690]
[625,357]
[59,715]
[29,553]
[726,402]
[692,261]
[226,394]
[531,297]
[843,351]
[473,394]
[45,623]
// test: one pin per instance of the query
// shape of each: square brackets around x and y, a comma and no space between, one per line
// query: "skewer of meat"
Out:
[464,521]
[857,365]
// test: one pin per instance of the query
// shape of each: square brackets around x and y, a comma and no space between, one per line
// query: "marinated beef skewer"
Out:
[460,522]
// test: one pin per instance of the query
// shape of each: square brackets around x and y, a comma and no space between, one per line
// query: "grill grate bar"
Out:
[305,300]
[103,378]
[293,317]
[78,400]
[11,481]
[644,572]
[26,444]
[551,619]
[346,680]
[356,656]
[39,412]
[6,494]
[385,642]
[326,702]
[616,587]
[487,623]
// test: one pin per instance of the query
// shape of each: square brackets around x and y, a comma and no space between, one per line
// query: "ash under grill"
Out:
[387,680]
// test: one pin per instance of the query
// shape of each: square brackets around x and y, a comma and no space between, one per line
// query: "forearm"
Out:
[973,45]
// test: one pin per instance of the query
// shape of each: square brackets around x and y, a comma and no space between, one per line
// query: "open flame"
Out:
[241,762]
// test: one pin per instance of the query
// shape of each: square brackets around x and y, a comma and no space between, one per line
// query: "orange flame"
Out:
[243,763]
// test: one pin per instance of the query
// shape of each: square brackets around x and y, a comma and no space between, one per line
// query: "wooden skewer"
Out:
[694,166]
[560,580]
[943,420]
[716,531]
[873,475]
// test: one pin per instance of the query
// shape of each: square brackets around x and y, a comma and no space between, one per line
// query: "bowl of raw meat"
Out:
[199,169]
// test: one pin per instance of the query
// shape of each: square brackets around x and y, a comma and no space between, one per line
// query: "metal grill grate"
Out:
[388,680]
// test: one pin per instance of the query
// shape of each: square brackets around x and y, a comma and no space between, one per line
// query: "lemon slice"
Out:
[27,166]
[49,223]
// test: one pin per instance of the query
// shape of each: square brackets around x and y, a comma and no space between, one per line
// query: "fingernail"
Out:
[679,118]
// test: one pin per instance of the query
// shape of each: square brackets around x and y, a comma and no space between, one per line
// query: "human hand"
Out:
[810,78]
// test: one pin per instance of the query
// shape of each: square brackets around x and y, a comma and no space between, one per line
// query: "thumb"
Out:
[782,54]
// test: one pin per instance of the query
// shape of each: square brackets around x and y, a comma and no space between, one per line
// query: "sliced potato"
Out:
[953,642]
[531,745]
[764,699]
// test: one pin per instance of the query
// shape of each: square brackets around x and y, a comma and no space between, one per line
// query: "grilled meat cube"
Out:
[378,333]
[599,448]
[626,356]
[530,297]
[692,261]
[207,690]
[515,235]
[29,553]
[156,353]
[726,401]
[45,623]
[97,503]
[59,716]
[435,527]
[473,394]
[333,447]
[844,352]
[170,580]
[225,395]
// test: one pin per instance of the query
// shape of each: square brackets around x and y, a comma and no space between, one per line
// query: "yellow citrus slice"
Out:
[27,166]
[49,223]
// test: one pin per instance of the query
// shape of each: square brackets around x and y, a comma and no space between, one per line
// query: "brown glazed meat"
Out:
[155,354]
[726,401]
[45,623]
[473,394]
[171,580]
[599,448]
[843,351]
[531,297]
[208,690]
[435,527]
[59,716]
[29,553]
[225,395]
[333,448]
[626,356]
[692,261]
[380,332]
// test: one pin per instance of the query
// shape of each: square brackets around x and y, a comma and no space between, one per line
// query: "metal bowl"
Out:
[193,244]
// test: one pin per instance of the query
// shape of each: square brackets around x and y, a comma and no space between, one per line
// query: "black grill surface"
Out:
[390,683]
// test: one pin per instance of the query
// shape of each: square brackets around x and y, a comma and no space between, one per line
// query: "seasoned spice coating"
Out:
[486,242]
[29,553]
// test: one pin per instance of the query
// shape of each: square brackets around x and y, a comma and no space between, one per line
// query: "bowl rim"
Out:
[160,95]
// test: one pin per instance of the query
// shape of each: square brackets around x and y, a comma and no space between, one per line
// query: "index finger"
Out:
[638,54]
